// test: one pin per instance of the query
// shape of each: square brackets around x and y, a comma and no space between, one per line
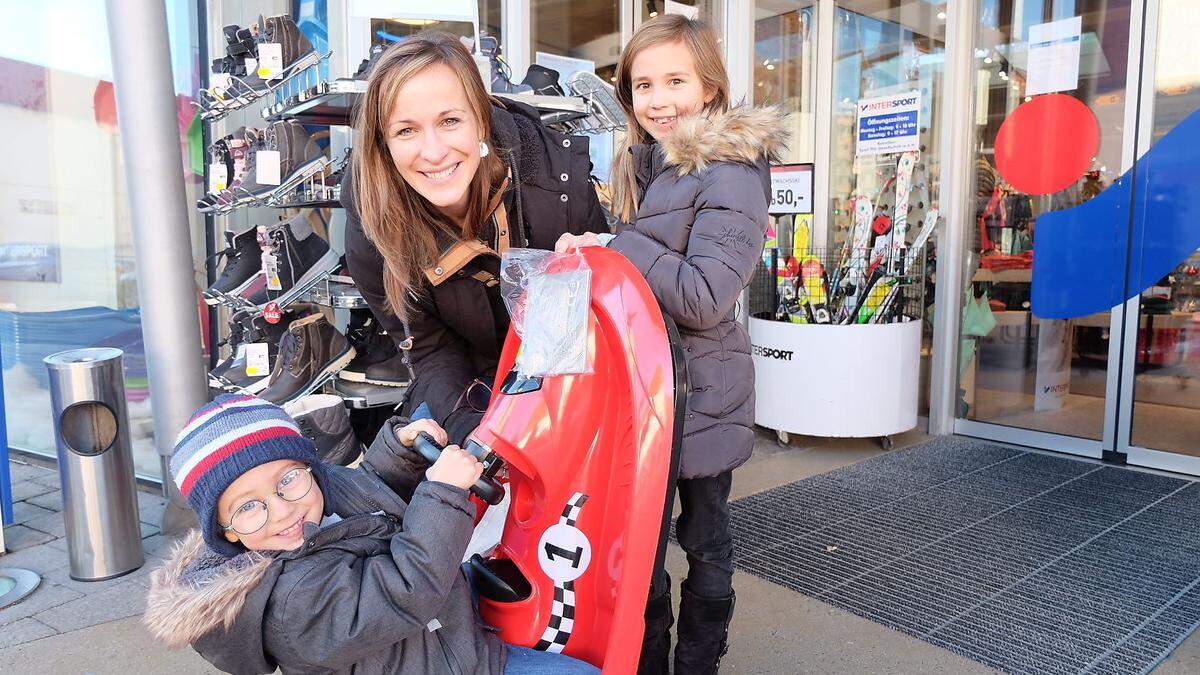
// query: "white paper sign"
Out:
[1054,56]
[266,167]
[680,8]
[218,177]
[258,360]
[889,124]
[565,65]
[791,189]
[270,60]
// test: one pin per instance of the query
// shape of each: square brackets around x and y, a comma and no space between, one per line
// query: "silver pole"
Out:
[141,57]
[958,128]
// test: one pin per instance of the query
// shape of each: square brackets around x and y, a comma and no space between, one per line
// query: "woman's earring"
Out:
[484,150]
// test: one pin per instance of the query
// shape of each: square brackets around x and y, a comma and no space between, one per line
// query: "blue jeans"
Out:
[526,661]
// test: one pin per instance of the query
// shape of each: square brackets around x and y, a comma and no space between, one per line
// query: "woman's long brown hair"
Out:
[700,40]
[401,223]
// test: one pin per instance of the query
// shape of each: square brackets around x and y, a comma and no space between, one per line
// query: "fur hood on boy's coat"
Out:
[697,237]
[379,592]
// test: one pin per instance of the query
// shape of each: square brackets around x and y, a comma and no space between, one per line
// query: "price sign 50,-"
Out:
[791,189]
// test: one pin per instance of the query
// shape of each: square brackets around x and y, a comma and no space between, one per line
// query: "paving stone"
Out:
[45,596]
[150,508]
[126,598]
[25,630]
[50,500]
[28,488]
[17,537]
[50,523]
[24,511]
[19,471]
[42,559]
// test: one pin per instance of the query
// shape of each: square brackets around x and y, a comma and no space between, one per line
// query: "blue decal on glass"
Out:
[1151,214]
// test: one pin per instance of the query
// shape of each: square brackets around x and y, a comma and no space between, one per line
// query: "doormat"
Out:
[1024,562]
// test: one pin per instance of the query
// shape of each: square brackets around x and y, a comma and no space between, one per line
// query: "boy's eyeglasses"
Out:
[252,516]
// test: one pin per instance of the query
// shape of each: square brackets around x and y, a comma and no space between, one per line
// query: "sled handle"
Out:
[486,488]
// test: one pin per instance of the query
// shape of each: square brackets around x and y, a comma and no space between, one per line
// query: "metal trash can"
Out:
[95,463]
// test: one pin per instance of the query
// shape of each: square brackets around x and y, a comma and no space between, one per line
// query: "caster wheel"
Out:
[782,437]
[885,442]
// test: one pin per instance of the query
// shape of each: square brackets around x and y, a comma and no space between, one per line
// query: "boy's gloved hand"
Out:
[455,467]
[407,434]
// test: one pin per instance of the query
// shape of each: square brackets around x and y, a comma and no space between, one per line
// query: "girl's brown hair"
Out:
[700,40]
[401,223]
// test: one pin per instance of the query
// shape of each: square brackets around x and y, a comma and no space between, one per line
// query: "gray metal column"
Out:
[958,120]
[137,32]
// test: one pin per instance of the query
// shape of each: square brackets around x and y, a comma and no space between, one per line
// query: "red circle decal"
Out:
[1047,144]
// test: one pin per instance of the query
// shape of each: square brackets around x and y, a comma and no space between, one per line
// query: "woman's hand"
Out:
[456,467]
[407,435]
[571,241]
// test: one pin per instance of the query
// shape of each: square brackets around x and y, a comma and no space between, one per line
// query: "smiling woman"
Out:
[444,179]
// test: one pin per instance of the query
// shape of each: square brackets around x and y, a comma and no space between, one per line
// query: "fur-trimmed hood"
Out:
[743,134]
[196,591]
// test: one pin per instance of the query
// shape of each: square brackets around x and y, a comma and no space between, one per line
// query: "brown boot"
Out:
[310,352]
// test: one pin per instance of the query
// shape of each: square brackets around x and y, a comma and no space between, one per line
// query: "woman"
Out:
[444,178]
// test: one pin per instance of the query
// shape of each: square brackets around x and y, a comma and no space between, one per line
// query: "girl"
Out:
[444,177]
[691,189]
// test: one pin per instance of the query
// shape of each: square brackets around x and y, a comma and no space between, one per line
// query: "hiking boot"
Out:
[543,80]
[391,372]
[283,29]
[703,632]
[364,68]
[297,154]
[323,418]
[371,346]
[243,260]
[310,352]
[296,248]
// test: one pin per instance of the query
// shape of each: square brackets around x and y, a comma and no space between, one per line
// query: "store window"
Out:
[705,10]
[587,31]
[785,66]
[67,275]
[1018,370]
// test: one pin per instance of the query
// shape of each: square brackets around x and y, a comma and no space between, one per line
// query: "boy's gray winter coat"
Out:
[697,237]
[361,595]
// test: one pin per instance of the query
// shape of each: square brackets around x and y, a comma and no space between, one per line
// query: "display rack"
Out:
[303,73]
[330,103]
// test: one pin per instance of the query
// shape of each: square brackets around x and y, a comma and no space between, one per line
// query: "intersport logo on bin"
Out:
[771,352]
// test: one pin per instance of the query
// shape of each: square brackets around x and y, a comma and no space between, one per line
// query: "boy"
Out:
[308,567]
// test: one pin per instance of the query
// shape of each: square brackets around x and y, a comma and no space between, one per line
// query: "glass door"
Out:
[1159,420]
[1050,136]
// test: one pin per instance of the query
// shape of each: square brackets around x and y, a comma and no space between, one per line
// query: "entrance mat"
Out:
[1025,562]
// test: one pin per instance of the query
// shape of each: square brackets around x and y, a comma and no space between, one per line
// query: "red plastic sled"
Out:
[589,460]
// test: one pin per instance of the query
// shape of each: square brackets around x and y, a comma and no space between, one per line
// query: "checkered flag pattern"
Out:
[562,610]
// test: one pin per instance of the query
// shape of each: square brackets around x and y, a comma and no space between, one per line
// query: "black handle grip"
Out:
[486,488]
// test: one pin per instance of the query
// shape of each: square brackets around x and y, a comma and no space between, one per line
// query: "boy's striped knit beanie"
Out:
[224,439]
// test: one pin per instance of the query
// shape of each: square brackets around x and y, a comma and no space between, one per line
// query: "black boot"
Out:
[656,643]
[703,632]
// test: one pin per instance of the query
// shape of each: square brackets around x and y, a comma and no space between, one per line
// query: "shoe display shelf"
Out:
[319,167]
[322,103]
[336,291]
[238,95]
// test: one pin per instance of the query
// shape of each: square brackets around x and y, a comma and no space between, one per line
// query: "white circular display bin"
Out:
[853,381]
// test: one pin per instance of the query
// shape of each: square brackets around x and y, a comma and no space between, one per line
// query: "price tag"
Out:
[251,64]
[270,267]
[218,177]
[791,189]
[270,60]
[266,167]
[258,359]
[220,82]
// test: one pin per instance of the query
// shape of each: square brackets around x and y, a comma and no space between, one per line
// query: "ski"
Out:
[904,173]
[918,244]
[852,275]
[812,274]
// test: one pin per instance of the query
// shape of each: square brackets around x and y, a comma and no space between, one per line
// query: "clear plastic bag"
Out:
[548,296]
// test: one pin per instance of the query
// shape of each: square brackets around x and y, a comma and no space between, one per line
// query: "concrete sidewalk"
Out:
[775,630]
